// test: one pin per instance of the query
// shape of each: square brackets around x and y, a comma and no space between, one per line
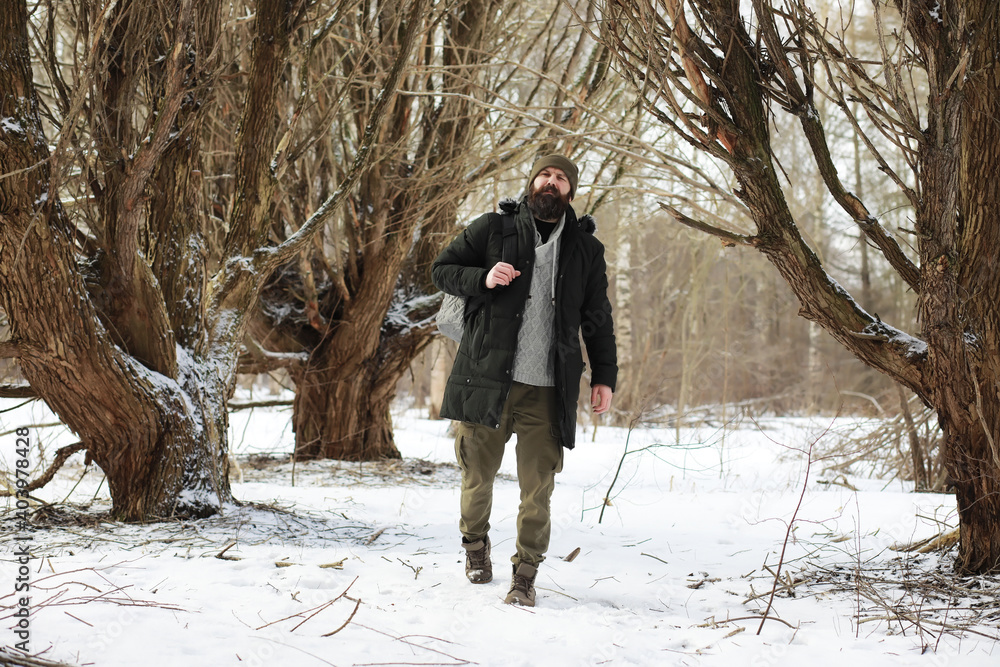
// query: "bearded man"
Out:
[519,363]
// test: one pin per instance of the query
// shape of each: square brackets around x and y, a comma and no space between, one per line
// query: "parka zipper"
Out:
[525,264]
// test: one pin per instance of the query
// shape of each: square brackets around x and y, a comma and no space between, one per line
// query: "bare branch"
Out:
[266,259]
[258,360]
[896,129]
[277,403]
[125,220]
[747,98]
[729,239]
[10,658]
[17,391]
[255,179]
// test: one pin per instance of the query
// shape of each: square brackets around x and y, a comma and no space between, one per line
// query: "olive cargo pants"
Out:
[530,413]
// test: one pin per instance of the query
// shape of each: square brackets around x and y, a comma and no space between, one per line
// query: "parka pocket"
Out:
[478,323]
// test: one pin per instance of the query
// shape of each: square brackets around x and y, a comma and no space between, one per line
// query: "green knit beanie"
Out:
[559,162]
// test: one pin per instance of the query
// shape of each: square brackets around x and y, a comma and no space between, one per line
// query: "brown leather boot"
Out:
[522,586]
[478,566]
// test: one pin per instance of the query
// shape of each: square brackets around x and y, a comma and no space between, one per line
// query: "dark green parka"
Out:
[482,375]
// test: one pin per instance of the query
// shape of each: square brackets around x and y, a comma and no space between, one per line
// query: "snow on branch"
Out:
[258,360]
[911,346]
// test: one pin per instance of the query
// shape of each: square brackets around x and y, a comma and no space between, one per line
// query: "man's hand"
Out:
[600,398]
[501,274]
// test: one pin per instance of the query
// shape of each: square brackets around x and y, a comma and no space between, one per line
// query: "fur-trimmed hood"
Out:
[509,205]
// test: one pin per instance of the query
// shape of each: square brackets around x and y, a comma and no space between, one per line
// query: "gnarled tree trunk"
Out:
[155,427]
[127,319]
[967,364]
[341,411]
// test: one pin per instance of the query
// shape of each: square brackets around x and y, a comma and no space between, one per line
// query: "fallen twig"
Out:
[12,659]
[940,542]
[357,605]
[222,554]
[405,640]
[312,612]
[754,618]
[416,570]
[654,558]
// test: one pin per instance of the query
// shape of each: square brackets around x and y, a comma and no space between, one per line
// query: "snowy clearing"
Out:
[677,573]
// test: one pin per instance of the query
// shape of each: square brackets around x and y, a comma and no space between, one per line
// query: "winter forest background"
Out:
[211,208]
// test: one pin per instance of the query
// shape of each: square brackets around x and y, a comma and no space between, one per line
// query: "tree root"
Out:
[940,542]
[61,456]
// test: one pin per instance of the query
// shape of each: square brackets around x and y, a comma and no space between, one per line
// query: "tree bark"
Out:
[159,438]
[968,398]
[342,412]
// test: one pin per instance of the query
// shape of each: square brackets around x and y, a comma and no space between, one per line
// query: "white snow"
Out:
[402,306]
[691,531]
[11,125]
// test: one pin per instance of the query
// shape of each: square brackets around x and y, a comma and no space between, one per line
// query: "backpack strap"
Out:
[509,253]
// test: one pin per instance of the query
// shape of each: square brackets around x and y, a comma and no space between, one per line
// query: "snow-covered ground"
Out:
[360,564]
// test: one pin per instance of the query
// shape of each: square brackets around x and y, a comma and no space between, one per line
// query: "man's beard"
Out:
[548,203]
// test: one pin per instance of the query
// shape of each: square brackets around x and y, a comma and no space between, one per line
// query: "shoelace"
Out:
[478,558]
[521,583]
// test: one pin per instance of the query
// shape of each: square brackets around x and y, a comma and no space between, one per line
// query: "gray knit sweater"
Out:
[534,360]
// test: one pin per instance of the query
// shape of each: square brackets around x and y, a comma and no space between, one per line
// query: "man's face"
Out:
[555,177]
[548,196]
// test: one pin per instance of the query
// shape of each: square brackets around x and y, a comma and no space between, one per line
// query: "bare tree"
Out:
[717,71]
[126,275]
[354,308]
[493,84]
